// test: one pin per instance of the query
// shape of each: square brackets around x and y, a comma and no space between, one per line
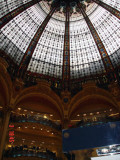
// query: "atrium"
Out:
[59,68]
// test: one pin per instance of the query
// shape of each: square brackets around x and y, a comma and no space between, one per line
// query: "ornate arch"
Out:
[94,95]
[5,84]
[40,95]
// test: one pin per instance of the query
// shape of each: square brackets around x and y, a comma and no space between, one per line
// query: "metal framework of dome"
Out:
[65,40]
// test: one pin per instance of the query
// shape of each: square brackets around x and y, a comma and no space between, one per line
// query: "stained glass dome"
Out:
[21,20]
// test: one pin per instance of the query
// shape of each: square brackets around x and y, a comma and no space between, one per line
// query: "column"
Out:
[7,111]
[110,9]
[103,53]
[8,17]
[66,123]
[29,52]
[66,52]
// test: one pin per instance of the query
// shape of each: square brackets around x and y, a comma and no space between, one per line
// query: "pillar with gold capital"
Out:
[7,111]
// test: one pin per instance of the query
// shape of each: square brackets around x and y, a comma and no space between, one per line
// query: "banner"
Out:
[86,137]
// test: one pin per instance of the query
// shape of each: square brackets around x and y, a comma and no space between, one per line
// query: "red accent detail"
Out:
[11,126]
[11,133]
[11,140]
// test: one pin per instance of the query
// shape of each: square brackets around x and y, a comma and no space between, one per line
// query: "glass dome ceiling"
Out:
[48,55]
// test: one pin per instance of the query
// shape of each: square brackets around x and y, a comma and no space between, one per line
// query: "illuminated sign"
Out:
[11,134]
